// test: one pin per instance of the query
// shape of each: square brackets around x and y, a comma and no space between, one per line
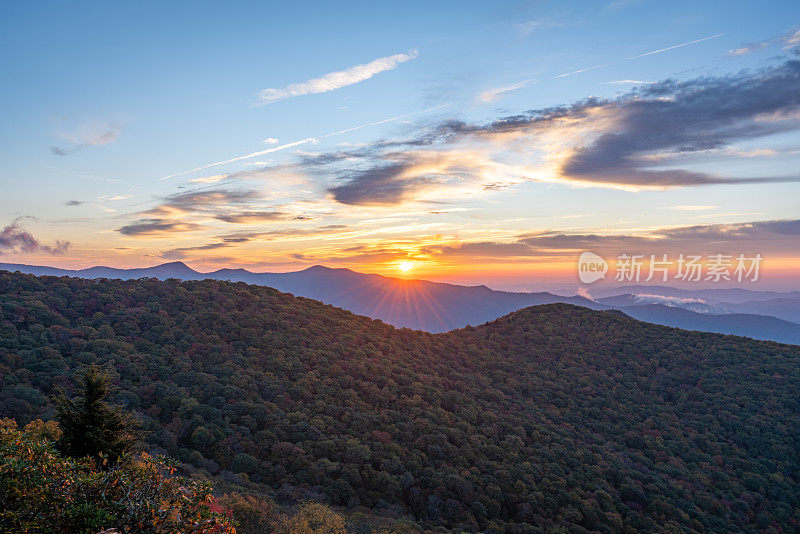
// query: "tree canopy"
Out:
[550,418]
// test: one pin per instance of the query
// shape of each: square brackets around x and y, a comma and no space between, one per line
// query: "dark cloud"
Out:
[780,227]
[74,203]
[753,231]
[766,237]
[375,149]
[204,200]
[13,238]
[231,240]
[678,117]
[56,151]
[665,119]
[705,235]
[557,240]
[165,218]
[181,253]
[310,160]
[157,226]
[385,185]
[497,186]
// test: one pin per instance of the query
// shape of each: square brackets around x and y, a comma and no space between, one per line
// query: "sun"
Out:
[405,266]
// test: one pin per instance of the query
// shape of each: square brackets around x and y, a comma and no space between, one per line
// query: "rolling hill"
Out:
[439,307]
[418,304]
[553,418]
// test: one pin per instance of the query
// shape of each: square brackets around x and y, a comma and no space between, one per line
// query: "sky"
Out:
[470,142]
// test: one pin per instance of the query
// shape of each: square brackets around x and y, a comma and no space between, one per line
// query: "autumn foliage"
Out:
[552,419]
[43,491]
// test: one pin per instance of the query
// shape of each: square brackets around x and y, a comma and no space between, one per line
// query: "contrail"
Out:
[676,46]
[584,70]
[303,141]
[642,55]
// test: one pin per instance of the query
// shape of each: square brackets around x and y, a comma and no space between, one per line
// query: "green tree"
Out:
[90,425]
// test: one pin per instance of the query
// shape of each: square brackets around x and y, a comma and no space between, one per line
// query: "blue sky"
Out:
[103,101]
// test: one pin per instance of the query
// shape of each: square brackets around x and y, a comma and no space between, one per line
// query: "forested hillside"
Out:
[552,416]
[439,307]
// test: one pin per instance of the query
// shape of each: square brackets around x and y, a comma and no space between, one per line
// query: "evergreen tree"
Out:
[91,426]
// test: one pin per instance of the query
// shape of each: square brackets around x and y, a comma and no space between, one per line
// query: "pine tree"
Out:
[91,426]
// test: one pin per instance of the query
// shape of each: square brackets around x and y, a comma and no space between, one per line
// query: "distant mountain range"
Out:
[440,307]
[723,295]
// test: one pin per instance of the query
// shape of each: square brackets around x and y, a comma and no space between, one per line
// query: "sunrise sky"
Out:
[463,141]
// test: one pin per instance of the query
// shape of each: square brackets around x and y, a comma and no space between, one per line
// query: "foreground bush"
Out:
[310,518]
[42,491]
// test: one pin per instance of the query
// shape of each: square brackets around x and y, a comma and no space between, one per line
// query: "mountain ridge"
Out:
[442,307]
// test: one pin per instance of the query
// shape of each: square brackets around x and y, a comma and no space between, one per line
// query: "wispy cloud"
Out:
[338,79]
[214,178]
[87,135]
[490,95]
[276,174]
[13,238]
[250,217]
[283,233]
[787,41]
[791,40]
[748,48]
[157,227]
[233,240]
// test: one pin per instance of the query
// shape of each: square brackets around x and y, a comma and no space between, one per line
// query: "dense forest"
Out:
[552,419]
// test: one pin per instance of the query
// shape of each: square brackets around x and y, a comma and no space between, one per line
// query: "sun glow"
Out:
[405,266]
